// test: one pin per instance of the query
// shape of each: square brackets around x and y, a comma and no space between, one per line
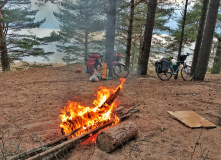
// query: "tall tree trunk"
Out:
[86,45]
[145,52]
[217,60]
[3,47]
[200,33]
[205,49]
[110,35]
[182,32]
[129,34]
[141,39]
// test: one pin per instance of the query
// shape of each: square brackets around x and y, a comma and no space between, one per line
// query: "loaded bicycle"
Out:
[95,61]
[165,69]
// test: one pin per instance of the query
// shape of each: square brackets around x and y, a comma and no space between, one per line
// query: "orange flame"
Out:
[76,116]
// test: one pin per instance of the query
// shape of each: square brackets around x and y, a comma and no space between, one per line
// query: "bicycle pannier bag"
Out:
[158,63]
[90,64]
[165,65]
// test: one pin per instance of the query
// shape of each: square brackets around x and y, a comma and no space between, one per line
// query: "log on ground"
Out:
[111,138]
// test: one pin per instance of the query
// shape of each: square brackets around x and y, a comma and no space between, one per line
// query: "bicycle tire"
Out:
[187,73]
[121,70]
[164,76]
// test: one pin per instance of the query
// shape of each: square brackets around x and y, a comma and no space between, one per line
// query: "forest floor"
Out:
[30,101]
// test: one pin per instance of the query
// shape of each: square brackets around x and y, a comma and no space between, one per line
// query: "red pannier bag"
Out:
[90,64]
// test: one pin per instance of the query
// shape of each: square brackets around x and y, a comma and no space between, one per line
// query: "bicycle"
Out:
[171,69]
[95,61]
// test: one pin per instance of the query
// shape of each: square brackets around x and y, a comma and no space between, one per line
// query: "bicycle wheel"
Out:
[121,70]
[187,73]
[164,76]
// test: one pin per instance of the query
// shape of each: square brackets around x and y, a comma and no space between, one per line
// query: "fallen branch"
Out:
[42,148]
[131,108]
[70,143]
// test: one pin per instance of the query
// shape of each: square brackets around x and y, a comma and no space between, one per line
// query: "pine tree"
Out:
[200,33]
[144,54]
[190,32]
[203,60]
[217,60]
[80,22]
[163,15]
[110,34]
[17,15]
[129,34]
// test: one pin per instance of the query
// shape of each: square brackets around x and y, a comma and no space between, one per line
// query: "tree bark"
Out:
[113,137]
[86,45]
[205,50]
[182,32]
[200,33]
[217,60]
[3,47]
[145,52]
[110,35]
[129,34]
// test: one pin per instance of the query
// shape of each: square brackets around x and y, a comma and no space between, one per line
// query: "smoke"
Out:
[46,11]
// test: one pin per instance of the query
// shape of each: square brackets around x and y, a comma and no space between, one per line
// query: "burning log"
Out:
[113,137]
[111,99]
[73,123]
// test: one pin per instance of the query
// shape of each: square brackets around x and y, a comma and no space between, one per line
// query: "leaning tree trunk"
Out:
[182,32]
[203,61]
[113,137]
[129,34]
[110,35]
[86,45]
[3,47]
[145,52]
[200,33]
[217,60]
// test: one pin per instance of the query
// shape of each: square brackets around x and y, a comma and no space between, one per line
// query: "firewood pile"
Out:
[108,138]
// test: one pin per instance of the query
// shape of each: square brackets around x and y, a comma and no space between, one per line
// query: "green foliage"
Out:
[52,38]
[17,15]
[80,22]
[163,15]
[190,31]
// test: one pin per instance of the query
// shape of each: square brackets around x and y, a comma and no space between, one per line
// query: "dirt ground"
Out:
[30,101]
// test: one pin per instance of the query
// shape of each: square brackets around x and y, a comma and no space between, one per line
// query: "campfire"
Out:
[79,118]
[82,122]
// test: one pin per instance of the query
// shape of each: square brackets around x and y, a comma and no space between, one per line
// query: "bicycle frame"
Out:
[176,71]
